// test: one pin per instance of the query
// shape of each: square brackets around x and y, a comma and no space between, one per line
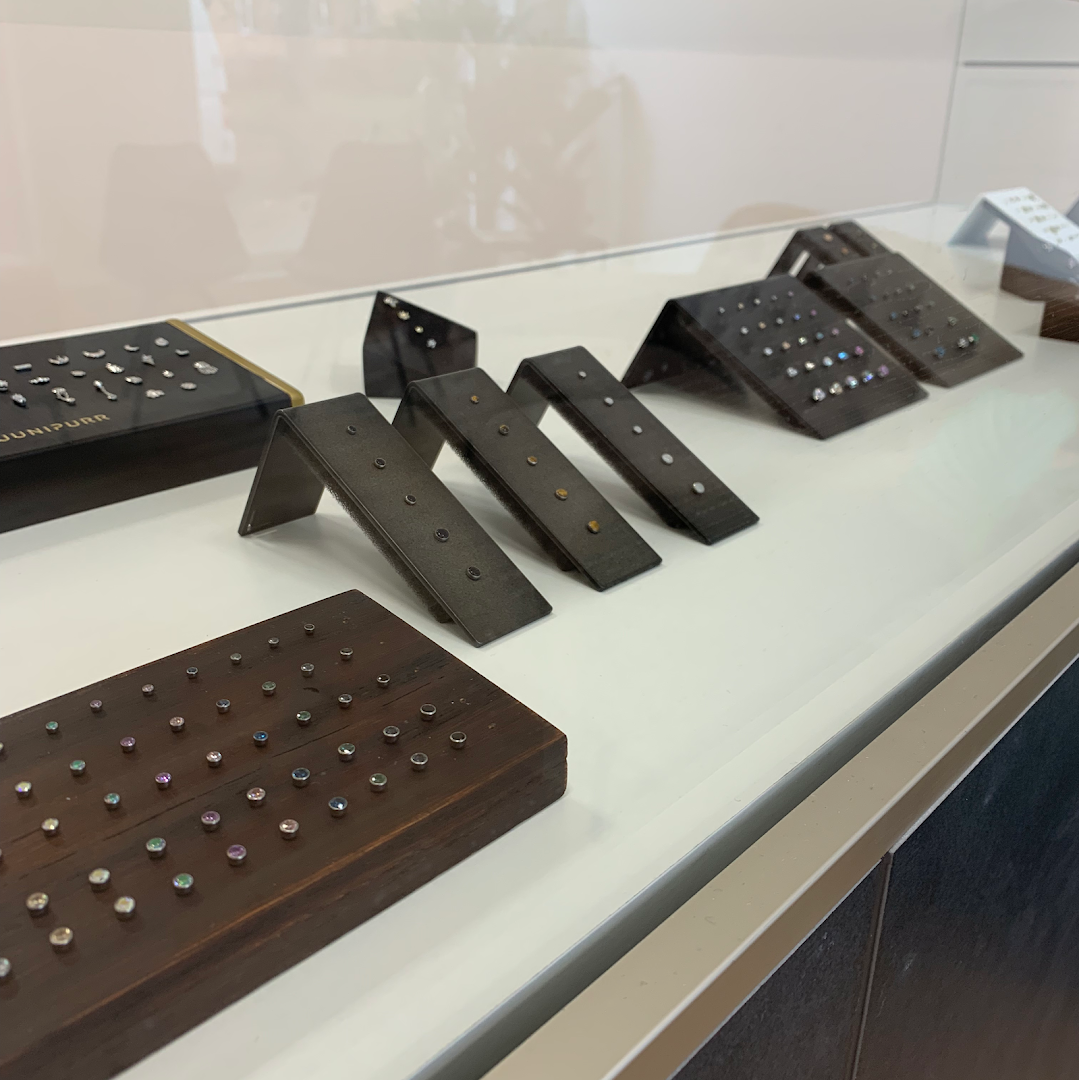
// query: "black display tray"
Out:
[120,439]
[911,316]
[786,344]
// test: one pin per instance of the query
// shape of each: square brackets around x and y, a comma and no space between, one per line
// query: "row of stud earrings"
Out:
[779,321]
[99,354]
[825,361]
[756,302]
[785,346]
[850,382]
[443,535]
[561,493]
[128,743]
[404,316]
[256,796]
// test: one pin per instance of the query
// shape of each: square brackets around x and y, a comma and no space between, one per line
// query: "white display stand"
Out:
[1042,240]
[701,700]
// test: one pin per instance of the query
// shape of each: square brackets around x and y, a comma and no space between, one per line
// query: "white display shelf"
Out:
[698,699]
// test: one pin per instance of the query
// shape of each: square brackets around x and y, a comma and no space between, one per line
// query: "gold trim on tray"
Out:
[295,397]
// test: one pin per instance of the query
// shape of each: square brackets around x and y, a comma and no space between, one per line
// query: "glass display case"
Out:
[836,458]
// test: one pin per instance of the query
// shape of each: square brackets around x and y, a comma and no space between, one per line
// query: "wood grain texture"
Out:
[124,988]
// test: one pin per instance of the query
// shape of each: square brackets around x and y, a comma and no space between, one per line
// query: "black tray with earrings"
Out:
[911,316]
[98,417]
[681,489]
[534,480]
[784,342]
[346,445]
[405,342]
[175,836]
[809,249]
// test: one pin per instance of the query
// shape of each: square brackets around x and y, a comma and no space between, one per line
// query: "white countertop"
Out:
[686,693]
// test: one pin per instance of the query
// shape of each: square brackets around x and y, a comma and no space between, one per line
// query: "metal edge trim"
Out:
[294,395]
[651,1011]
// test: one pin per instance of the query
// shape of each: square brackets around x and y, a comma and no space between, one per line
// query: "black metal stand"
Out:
[346,445]
[912,317]
[785,343]
[534,480]
[672,480]
[810,249]
[406,342]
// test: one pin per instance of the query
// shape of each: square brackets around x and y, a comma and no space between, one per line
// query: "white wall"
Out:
[185,154]
[1015,115]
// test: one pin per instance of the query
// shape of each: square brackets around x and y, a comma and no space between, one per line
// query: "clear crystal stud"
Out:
[61,938]
[37,903]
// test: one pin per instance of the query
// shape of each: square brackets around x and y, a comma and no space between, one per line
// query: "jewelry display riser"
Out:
[347,446]
[845,241]
[678,486]
[916,320]
[405,342]
[430,759]
[786,344]
[527,473]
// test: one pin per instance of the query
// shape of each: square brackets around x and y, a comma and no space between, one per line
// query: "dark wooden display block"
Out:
[96,418]
[785,343]
[809,249]
[1060,319]
[406,342]
[124,987]
[916,320]
[530,476]
[681,489]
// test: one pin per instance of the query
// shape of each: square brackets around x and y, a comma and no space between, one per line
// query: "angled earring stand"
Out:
[1041,260]
[405,342]
[678,486]
[786,344]
[810,249]
[345,444]
[535,481]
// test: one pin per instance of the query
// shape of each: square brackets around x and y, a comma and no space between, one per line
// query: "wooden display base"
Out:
[1060,319]
[124,987]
